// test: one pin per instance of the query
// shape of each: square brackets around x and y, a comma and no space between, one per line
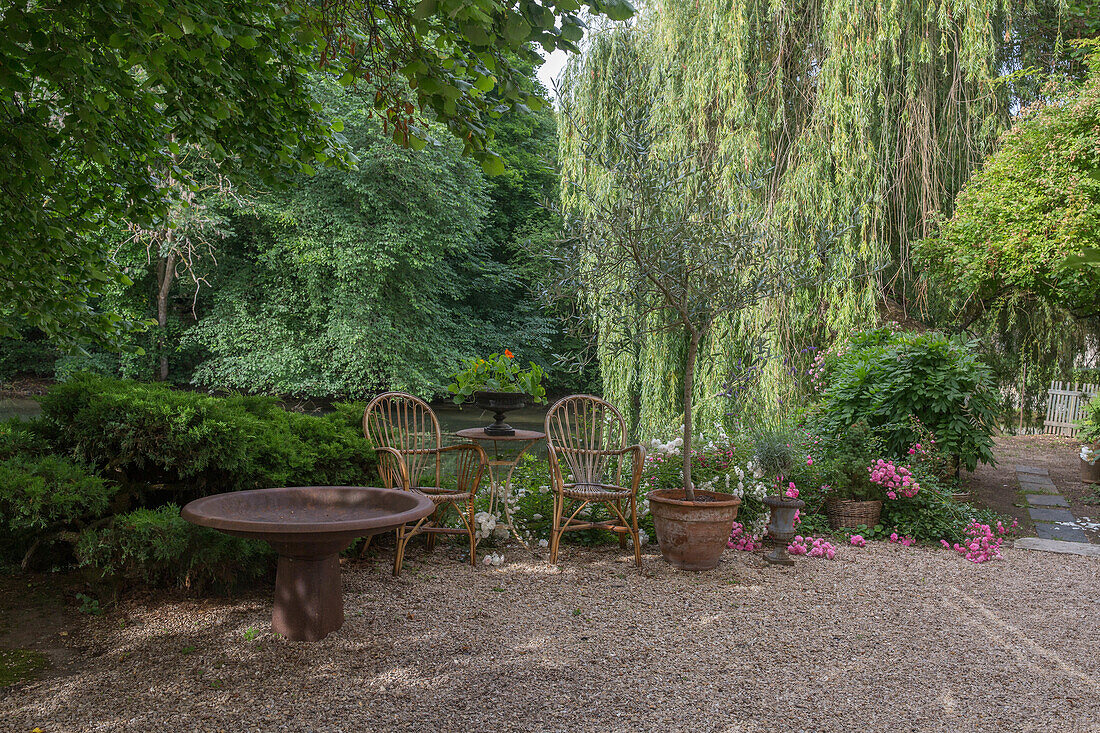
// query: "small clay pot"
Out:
[692,534]
[1090,473]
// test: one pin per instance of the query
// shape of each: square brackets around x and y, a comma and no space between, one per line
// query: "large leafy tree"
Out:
[352,282]
[97,97]
[1034,203]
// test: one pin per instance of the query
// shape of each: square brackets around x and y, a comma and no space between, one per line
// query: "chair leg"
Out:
[555,531]
[366,544]
[399,555]
[634,527]
[436,518]
[622,535]
[473,535]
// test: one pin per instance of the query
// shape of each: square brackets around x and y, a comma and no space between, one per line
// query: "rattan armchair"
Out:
[405,433]
[588,435]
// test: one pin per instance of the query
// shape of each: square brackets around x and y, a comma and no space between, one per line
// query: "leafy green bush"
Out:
[198,444]
[18,437]
[884,377]
[844,458]
[26,356]
[42,496]
[1089,427]
[157,547]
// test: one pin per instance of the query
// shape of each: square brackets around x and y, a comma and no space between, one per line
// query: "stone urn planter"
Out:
[781,527]
[850,513]
[501,403]
[692,534]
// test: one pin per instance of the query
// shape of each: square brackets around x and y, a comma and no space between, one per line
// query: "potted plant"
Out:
[853,497]
[678,244]
[499,384]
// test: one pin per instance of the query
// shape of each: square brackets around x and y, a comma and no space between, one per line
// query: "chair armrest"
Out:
[638,461]
[400,470]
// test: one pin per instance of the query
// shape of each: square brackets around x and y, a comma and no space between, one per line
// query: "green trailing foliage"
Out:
[886,377]
[157,547]
[193,444]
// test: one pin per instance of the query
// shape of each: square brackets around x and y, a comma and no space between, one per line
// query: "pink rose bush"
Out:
[811,547]
[983,543]
[742,540]
[896,479]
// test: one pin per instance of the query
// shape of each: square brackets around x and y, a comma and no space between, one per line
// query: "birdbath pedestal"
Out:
[308,526]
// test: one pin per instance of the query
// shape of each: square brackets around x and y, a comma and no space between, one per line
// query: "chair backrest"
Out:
[580,429]
[408,425]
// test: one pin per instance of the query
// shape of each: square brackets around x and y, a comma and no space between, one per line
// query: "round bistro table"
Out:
[524,439]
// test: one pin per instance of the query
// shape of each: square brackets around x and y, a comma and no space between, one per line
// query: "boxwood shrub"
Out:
[196,444]
[157,547]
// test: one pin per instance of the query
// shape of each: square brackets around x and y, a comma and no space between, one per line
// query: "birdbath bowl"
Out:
[308,526]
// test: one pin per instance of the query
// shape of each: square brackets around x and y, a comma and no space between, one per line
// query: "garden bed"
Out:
[880,637]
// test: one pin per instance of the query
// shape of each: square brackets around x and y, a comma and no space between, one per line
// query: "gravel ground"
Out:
[881,638]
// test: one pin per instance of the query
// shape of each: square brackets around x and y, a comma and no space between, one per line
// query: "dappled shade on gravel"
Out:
[883,637]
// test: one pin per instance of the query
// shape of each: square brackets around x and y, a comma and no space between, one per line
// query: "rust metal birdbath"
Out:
[308,526]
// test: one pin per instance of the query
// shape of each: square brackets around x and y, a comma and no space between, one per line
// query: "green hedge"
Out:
[44,496]
[157,547]
[153,434]
[113,460]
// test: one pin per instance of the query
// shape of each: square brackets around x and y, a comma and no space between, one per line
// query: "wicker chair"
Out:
[405,433]
[588,435]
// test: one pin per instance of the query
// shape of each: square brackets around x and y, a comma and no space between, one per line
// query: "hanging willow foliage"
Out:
[867,116]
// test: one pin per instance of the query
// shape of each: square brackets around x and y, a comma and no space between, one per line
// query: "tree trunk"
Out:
[166,273]
[689,385]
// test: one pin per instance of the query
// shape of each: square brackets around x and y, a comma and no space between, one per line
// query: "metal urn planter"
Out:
[781,527]
[501,403]
[692,534]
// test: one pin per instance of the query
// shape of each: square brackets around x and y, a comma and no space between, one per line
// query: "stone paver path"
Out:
[1048,508]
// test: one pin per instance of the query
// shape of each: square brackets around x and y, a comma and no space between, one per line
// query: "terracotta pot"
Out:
[1090,474]
[850,514]
[692,534]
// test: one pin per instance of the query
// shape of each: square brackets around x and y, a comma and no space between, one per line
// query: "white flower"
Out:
[494,559]
[485,524]
[500,532]
[543,543]
[1089,454]
[536,517]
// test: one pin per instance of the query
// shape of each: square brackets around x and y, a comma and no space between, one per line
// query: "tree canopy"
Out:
[96,98]
[1034,202]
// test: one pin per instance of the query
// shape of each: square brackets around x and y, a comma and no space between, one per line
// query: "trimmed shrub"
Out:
[157,547]
[198,444]
[884,377]
[41,497]
[20,438]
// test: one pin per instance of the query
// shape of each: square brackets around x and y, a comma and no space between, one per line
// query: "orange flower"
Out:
[508,353]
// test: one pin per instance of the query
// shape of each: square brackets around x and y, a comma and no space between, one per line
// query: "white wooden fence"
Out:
[1066,405]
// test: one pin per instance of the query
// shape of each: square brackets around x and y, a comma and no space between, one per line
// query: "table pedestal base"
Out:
[309,603]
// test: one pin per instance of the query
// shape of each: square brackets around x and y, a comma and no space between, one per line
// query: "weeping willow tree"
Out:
[868,118]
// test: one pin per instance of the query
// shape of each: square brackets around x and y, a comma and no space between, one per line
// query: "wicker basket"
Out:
[850,514]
